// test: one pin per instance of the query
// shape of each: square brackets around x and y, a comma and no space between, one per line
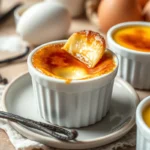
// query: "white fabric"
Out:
[11,43]
[22,143]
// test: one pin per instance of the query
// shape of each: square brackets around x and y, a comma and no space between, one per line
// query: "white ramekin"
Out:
[78,104]
[143,131]
[133,65]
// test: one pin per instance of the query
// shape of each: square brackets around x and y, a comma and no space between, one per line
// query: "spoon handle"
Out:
[55,131]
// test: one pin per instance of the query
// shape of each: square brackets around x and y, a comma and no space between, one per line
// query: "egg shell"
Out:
[44,22]
[142,3]
[112,12]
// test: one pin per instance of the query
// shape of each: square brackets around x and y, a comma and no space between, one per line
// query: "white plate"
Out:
[18,99]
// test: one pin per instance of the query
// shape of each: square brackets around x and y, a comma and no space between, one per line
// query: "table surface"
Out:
[13,70]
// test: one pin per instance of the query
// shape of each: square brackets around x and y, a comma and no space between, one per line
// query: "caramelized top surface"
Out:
[56,62]
[134,37]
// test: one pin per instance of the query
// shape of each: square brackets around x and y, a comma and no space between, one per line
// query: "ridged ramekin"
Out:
[143,131]
[133,65]
[80,103]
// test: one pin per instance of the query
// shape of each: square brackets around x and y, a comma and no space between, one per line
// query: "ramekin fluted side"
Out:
[135,72]
[73,109]
[141,142]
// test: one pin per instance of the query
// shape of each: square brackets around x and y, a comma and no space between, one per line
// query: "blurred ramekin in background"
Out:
[133,65]
[77,104]
[143,131]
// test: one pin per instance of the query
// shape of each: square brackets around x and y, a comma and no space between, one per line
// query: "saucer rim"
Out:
[104,140]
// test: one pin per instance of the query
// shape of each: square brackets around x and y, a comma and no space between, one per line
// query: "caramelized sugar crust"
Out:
[134,37]
[52,58]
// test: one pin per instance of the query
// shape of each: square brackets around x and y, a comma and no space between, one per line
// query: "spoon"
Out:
[53,130]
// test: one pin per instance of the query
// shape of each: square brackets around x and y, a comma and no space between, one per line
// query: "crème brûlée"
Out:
[146,115]
[53,61]
[134,38]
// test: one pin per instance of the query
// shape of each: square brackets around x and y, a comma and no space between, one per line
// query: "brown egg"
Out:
[111,12]
[146,11]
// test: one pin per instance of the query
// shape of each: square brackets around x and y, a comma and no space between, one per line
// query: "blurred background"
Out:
[101,13]
[98,15]
[29,23]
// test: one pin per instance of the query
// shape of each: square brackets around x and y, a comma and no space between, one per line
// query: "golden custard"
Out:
[146,115]
[134,37]
[53,61]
